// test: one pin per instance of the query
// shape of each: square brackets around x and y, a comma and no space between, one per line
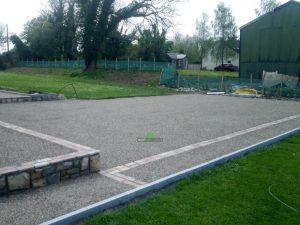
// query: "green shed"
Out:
[272,43]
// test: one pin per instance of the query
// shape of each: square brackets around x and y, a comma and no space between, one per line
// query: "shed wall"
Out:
[272,43]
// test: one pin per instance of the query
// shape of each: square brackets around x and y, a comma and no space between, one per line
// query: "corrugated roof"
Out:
[276,9]
[176,55]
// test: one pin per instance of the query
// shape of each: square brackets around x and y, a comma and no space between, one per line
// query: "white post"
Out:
[116,63]
[154,64]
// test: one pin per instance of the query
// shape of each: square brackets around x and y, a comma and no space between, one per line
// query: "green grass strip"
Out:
[207,73]
[234,193]
[87,86]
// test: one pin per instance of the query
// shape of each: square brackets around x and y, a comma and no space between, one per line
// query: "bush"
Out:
[2,64]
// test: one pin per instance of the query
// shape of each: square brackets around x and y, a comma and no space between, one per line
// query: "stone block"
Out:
[63,173]
[73,171]
[64,166]
[76,175]
[84,172]
[95,163]
[36,174]
[53,179]
[18,181]
[77,163]
[2,182]
[64,177]
[39,183]
[84,164]
[48,170]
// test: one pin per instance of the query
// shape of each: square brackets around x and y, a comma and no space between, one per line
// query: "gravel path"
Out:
[113,126]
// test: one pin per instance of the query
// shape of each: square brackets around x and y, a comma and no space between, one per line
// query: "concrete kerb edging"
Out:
[28,97]
[123,198]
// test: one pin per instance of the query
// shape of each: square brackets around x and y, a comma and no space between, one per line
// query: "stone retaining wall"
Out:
[21,97]
[48,171]
[30,98]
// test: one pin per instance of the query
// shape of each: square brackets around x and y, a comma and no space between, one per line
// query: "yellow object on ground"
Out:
[247,91]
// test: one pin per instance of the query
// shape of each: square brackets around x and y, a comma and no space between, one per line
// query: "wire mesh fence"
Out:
[172,79]
[129,65]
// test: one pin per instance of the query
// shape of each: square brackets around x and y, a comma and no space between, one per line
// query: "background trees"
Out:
[52,35]
[2,35]
[93,29]
[203,37]
[225,30]
[266,6]
[39,34]
[152,43]
[98,18]
[2,41]
[187,45]
[117,45]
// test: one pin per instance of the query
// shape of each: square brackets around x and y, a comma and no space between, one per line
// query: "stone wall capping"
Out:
[8,170]
[42,164]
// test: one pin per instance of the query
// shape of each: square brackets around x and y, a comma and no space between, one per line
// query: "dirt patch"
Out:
[135,78]
[124,77]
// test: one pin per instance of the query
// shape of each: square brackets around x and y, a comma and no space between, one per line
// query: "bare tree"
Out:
[2,35]
[203,36]
[225,31]
[266,6]
[100,17]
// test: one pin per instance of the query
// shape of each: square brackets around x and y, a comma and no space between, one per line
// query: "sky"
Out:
[16,13]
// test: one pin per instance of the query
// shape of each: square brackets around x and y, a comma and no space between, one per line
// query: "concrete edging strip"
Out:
[161,183]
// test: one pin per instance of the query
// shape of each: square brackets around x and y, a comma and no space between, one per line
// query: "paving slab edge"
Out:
[128,196]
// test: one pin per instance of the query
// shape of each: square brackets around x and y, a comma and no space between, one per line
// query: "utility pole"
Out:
[7,39]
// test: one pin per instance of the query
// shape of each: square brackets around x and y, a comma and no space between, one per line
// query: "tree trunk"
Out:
[90,60]
[222,55]
[201,59]
[91,66]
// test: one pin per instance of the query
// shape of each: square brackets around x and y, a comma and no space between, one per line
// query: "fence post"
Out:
[154,63]
[116,63]
[128,63]
[198,83]
[105,66]
[178,81]
[263,82]
[281,85]
[161,73]
[222,82]
[251,80]
[140,64]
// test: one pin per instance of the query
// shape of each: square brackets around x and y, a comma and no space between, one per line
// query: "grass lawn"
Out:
[99,84]
[234,193]
[207,73]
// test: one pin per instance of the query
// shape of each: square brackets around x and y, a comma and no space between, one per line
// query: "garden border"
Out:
[126,197]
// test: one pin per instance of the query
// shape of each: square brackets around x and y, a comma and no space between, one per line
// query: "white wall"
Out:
[210,63]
